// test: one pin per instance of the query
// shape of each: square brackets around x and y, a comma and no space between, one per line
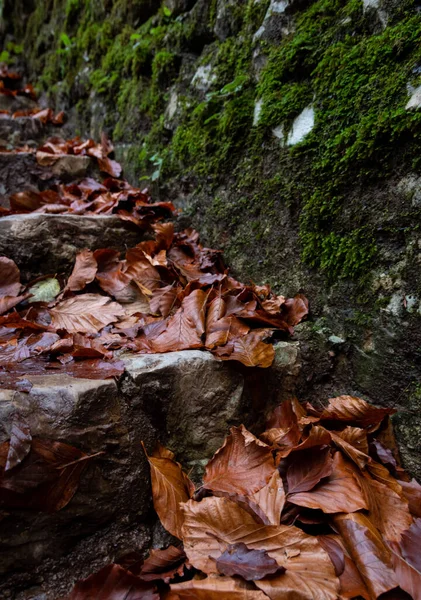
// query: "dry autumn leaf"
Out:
[242,466]
[87,313]
[170,488]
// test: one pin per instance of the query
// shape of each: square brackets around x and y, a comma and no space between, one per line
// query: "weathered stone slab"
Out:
[41,243]
[14,103]
[19,172]
[189,395]
[91,416]
[24,130]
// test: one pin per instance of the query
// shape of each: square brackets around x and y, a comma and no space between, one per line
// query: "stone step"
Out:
[41,243]
[21,171]
[15,103]
[188,400]
[25,130]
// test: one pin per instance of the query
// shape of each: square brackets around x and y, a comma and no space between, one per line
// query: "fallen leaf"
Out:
[242,466]
[170,488]
[20,442]
[163,564]
[270,500]
[248,564]
[44,291]
[340,492]
[83,272]
[113,583]
[307,468]
[87,313]
[368,551]
[9,278]
[354,411]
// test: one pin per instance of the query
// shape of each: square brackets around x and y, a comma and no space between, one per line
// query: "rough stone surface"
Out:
[24,130]
[191,394]
[188,400]
[415,100]
[91,416]
[42,244]
[301,127]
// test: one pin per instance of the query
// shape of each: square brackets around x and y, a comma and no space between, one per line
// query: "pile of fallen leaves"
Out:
[317,508]
[11,84]
[88,196]
[167,294]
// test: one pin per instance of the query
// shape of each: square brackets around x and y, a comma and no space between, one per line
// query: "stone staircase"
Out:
[187,400]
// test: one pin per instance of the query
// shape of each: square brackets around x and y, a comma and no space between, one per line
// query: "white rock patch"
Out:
[301,127]
[257,112]
[203,78]
[279,132]
[415,99]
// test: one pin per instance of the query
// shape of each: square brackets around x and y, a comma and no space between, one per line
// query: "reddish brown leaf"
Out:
[350,450]
[163,564]
[340,492]
[170,488]
[248,564]
[111,275]
[354,411]
[295,309]
[368,551]
[411,545]
[185,329]
[412,492]
[307,468]
[9,278]
[388,510]
[87,313]
[270,500]
[8,302]
[20,442]
[83,272]
[242,466]
[250,350]
[163,300]
[113,583]
[407,575]
[47,478]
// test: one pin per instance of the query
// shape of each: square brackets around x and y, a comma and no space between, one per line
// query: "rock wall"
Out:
[289,132]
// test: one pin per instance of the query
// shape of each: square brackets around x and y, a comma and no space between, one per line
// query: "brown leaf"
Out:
[270,500]
[140,270]
[8,302]
[110,275]
[214,588]
[185,329]
[113,583]
[307,468]
[47,478]
[163,300]
[248,564]
[410,544]
[163,564]
[368,551]
[340,492]
[295,309]
[9,278]
[388,510]
[349,449]
[242,466]
[170,488]
[407,575]
[213,524]
[20,442]
[354,411]
[87,313]
[83,272]
[412,492]
[250,350]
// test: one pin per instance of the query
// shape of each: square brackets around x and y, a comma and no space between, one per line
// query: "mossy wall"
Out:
[192,92]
